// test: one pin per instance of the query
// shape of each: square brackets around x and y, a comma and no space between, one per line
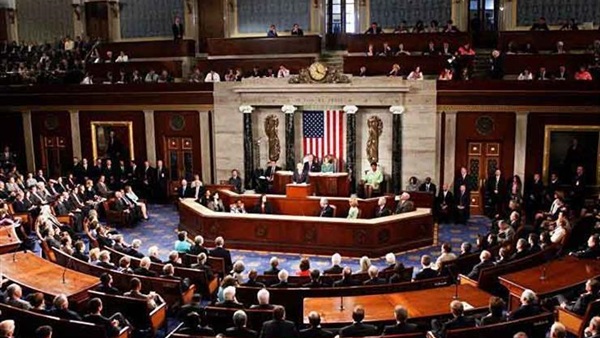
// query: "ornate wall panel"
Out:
[528,11]
[149,18]
[389,13]
[45,20]
[255,16]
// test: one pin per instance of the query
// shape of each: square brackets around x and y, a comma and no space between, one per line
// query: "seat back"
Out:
[534,327]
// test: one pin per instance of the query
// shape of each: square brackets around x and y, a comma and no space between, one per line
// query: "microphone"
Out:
[342,303]
[456,287]
[64,281]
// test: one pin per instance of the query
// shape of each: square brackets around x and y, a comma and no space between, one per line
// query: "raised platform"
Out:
[310,234]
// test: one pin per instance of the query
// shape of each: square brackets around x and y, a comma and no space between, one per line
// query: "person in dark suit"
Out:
[486,261]
[311,165]
[534,196]
[405,204]
[282,276]
[581,302]
[105,286]
[591,251]
[263,297]
[113,324]
[495,192]
[401,326]
[374,277]
[463,205]
[522,249]
[274,270]
[178,29]
[160,184]
[239,329]
[300,176]
[427,271]
[444,205]
[236,181]
[347,279]
[252,275]
[374,29]
[144,268]
[201,265]
[382,210]
[192,325]
[358,328]
[61,309]
[264,207]
[336,268]
[134,250]
[278,327]
[427,186]
[296,30]
[315,280]
[463,178]
[326,209]
[315,330]
[496,315]
[184,190]
[458,321]
[528,306]
[198,246]
[593,330]
[221,252]
[229,299]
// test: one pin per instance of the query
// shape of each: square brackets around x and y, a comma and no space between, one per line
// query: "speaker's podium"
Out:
[298,190]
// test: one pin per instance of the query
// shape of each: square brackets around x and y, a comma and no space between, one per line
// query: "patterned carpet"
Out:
[160,230]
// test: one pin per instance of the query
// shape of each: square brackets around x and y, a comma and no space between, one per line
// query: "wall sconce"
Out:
[190,6]
[115,7]
[77,8]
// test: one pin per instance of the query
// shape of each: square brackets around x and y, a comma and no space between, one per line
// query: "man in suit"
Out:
[336,268]
[220,252]
[279,326]
[311,165]
[134,250]
[374,277]
[160,185]
[528,306]
[194,306]
[485,261]
[274,270]
[495,191]
[374,29]
[184,190]
[458,321]
[463,178]
[178,29]
[444,204]
[534,196]
[300,175]
[315,330]
[581,302]
[61,309]
[252,275]
[104,260]
[229,299]
[263,297]
[315,279]
[326,209]
[427,186]
[404,204]
[13,297]
[593,330]
[357,328]
[113,324]
[282,276]
[106,286]
[593,248]
[144,268]
[201,265]
[401,326]
[347,279]
[382,210]
[239,329]
[267,180]
[146,179]
[463,205]
[522,249]
[426,270]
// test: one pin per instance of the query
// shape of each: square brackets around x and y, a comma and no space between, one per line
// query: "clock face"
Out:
[317,71]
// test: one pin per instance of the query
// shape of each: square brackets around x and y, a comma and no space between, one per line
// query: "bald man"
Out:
[485,261]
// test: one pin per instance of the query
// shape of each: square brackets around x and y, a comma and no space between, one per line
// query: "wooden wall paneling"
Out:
[139,130]
[503,131]
[166,125]
[56,124]
[536,126]
[211,22]
[13,137]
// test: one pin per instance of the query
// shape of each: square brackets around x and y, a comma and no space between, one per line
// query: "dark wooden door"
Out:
[211,21]
[96,18]
[483,160]
[54,155]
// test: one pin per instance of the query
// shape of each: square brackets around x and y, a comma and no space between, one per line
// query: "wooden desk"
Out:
[35,273]
[420,303]
[309,234]
[310,44]
[560,274]
[330,184]
[9,241]
[293,190]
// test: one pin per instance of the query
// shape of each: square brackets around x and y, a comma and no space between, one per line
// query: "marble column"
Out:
[397,148]
[449,148]
[150,138]
[75,133]
[28,135]
[520,144]
[351,145]
[290,136]
[248,145]
[205,142]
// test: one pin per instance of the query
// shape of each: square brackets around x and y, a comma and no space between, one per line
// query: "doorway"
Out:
[96,20]
[482,161]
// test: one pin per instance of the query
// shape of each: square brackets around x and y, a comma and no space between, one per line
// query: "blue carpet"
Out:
[161,229]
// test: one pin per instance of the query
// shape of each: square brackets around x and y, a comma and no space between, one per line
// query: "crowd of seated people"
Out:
[294,31]
[418,27]
[133,77]
[237,74]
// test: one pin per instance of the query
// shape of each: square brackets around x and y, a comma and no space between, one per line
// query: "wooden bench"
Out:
[27,322]
[382,65]
[580,39]
[358,43]
[463,264]
[534,327]
[221,66]
[488,278]
[169,289]
[407,274]
[134,309]
[575,323]
[292,298]
[222,318]
[149,49]
[197,277]
[99,70]
[310,44]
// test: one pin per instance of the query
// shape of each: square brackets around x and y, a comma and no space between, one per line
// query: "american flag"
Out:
[323,133]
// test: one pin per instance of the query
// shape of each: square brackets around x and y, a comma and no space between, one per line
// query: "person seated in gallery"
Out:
[272,32]
[300,176]
[405,204]
[326,209]
[264,207]
[327,165]
[236,181]
[372,179]
[353,212]
[296,30]
[382,210]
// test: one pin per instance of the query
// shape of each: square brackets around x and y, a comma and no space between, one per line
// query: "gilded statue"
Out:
[375,126]
[271,125]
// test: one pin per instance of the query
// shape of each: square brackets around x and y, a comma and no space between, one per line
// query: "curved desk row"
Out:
[310,234]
